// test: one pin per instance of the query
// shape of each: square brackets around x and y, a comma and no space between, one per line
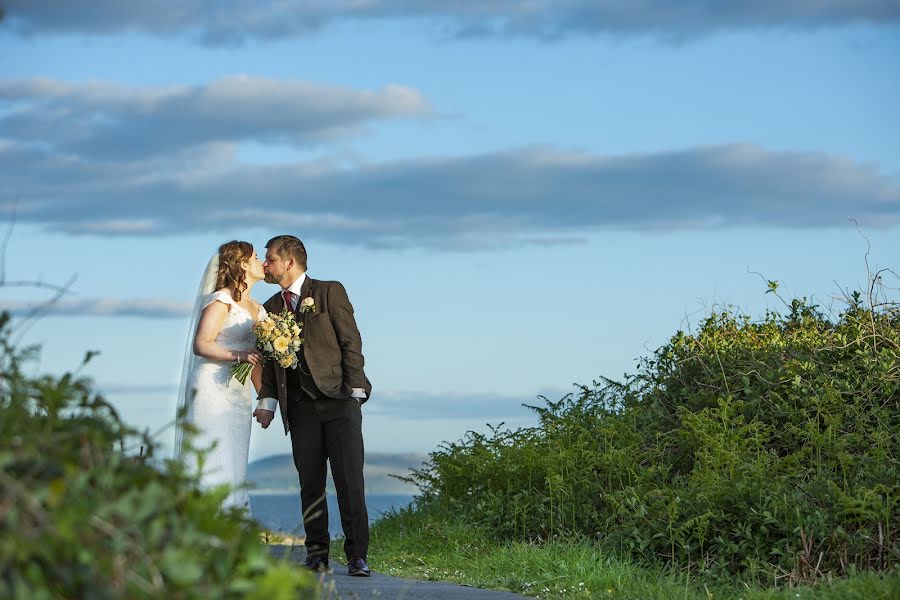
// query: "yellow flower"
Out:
[286,361]
[264,328]
[280,344]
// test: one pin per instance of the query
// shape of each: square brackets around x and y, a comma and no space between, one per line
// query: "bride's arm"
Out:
[211,321]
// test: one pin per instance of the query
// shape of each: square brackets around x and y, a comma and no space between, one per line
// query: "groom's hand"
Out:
[264,417]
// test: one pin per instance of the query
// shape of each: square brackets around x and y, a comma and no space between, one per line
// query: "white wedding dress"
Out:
[221,408]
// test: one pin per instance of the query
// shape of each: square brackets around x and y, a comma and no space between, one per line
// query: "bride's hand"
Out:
[250,356]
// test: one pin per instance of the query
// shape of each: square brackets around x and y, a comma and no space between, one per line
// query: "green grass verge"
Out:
[417,545]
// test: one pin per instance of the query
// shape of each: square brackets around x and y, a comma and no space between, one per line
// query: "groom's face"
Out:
[274,267]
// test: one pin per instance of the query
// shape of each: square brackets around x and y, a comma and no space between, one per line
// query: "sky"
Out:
[519,195]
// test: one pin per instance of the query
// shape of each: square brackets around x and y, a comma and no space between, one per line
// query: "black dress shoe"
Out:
[359,568]
[319,564]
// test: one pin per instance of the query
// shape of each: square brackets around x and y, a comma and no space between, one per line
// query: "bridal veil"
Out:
[185,395]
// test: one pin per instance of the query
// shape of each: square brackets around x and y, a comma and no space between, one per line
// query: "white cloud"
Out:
[240,20]
[116,122]
[110,160]
[418,405]
[100,307]
[528,195]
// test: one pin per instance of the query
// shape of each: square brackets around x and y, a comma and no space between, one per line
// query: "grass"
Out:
[418,545]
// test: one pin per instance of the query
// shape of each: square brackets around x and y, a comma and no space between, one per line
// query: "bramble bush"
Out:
[766,450]
[84,515]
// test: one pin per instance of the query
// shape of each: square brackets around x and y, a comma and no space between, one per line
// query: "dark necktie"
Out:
[288,304]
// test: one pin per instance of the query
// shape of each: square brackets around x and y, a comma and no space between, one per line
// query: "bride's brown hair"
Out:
[231,273]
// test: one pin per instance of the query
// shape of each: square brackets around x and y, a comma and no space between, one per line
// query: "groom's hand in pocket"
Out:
[263,417]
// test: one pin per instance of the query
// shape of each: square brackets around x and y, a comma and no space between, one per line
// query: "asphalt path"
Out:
[340,585]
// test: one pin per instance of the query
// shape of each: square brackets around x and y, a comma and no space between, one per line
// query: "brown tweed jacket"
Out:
[332,346]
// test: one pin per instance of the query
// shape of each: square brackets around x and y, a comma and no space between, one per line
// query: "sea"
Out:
[281,512]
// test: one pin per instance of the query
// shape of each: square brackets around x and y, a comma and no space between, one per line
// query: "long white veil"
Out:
[185,395]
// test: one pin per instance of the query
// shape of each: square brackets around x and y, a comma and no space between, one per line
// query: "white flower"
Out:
[307,305]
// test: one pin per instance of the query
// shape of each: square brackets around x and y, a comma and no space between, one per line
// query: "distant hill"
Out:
[277,473]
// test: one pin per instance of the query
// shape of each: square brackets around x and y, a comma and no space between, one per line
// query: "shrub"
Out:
[82,517]
[765,449]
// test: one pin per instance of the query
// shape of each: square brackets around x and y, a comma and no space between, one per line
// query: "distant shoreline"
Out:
[280,512]
[278,474]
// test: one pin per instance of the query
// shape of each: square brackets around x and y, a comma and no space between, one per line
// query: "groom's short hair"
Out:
[288,246]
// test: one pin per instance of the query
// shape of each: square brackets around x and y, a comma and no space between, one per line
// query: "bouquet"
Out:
[278,338]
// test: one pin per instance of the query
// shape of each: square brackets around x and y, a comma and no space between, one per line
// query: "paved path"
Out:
[386,587]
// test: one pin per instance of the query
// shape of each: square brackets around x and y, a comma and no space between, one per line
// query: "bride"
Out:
[217,405]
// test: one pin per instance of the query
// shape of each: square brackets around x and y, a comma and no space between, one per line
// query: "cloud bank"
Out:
[213,22]
[419,405]
[146,309]
[116,122]
[104,159]
[544,195]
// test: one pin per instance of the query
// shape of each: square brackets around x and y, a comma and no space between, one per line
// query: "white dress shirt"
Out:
[294,289]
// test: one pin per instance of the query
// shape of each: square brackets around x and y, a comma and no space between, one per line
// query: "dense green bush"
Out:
[82,516]
[765,449]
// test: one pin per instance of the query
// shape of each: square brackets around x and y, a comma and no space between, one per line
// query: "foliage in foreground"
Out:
[81,517]
[425,544]
[766,450]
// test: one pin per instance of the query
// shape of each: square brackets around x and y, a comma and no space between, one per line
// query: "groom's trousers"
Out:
[330,429]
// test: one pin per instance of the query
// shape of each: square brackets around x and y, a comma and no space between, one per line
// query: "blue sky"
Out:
[519,196]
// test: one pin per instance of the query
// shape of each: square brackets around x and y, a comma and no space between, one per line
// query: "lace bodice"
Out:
[237,331]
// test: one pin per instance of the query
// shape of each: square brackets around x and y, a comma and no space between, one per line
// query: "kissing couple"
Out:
[320,399]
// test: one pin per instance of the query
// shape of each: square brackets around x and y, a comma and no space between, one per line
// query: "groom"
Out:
[320,402]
